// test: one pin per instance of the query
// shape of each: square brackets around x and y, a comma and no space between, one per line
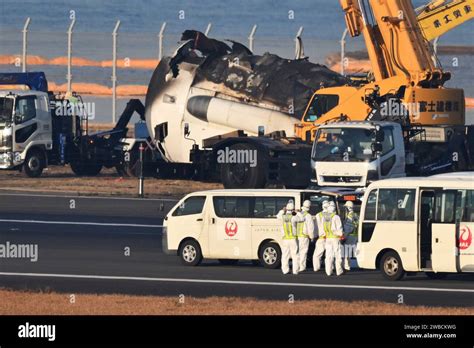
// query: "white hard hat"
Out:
[307,204]
[290,206]
[349,204]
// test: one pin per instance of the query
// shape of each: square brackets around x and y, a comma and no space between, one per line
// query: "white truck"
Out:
[354,154]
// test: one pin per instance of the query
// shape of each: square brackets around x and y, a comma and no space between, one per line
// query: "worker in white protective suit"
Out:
[351,223]
[289,220]
[333,232]
[305,230]
[321,242]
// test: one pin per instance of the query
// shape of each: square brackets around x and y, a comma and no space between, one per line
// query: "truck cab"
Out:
[354,154]
[25,127]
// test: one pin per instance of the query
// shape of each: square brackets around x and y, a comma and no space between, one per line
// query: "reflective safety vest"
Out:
[355,223]
[288,227]
[327,227]
[300,227]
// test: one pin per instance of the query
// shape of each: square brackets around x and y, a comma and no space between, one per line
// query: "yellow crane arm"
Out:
[439,17]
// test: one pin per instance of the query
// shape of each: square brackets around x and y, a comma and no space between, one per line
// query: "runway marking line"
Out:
[235,282]
[79,223]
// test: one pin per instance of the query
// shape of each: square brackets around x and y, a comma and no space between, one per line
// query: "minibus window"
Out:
[468,208]
[233,207]
[316,201]
[396,205]
[268,207]
[370,206]
[445,207]
[192,205]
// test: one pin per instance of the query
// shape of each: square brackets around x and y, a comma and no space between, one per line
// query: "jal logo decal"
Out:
[231,228]
[465,238]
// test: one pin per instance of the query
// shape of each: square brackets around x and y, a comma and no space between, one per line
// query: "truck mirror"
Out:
[377,148]
[17,119]
[186,130]
[380,136]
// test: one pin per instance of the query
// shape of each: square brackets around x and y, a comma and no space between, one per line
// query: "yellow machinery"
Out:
[440,16]
[402,60]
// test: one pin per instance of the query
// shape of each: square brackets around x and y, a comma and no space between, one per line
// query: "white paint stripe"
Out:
[79,223]
[88,197]
[235,282]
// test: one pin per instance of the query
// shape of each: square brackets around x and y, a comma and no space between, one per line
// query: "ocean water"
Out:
[277,20]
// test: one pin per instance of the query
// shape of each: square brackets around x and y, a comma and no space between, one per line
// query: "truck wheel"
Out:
[270,255]
[34,163]
[190,253]
[85,169]
[243,175]
[391,266]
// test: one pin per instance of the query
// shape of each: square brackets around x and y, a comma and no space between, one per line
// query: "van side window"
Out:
[192,205]
[25,108]
[370,207]
[233,207]
[396,205]
[268,207]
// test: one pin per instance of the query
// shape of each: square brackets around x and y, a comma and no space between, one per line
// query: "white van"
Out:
[418,224]
[232,225]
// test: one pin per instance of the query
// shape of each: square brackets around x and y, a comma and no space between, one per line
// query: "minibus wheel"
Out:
[190,253]
[270,255]
[433,275]
[391,266]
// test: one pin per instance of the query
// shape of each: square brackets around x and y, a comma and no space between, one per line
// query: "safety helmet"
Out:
[307,204]
[349,204]
[290,206]
[325,205]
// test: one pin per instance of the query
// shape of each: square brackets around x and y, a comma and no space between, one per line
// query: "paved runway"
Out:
[82,244]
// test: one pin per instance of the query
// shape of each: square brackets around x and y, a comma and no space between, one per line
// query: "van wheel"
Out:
[270,255]
[433,275]
[228,262]
[391,266]
[34,164]
[190,253]
[243,175]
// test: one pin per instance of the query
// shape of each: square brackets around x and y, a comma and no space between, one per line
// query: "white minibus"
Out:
[418,224]
[232,225]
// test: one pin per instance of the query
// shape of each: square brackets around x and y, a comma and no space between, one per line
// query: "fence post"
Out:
[252,36]
[114,71]
[25,43]
[160,40]
[343,50]
[208,29]
[299,50]
[69,56]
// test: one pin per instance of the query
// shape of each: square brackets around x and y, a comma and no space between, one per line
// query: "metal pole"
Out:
[298,48]
[114,70]
[160,40]
[25,38]
[141,178]
[435,50]
[343,50]
[69,57]
[208,29]
[251,37]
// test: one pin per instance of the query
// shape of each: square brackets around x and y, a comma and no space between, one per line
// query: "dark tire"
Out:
[228,262]
[433,275]
[242,175]
[190,253]
[34,164]
[270,255]
[391,266]
[86,169]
